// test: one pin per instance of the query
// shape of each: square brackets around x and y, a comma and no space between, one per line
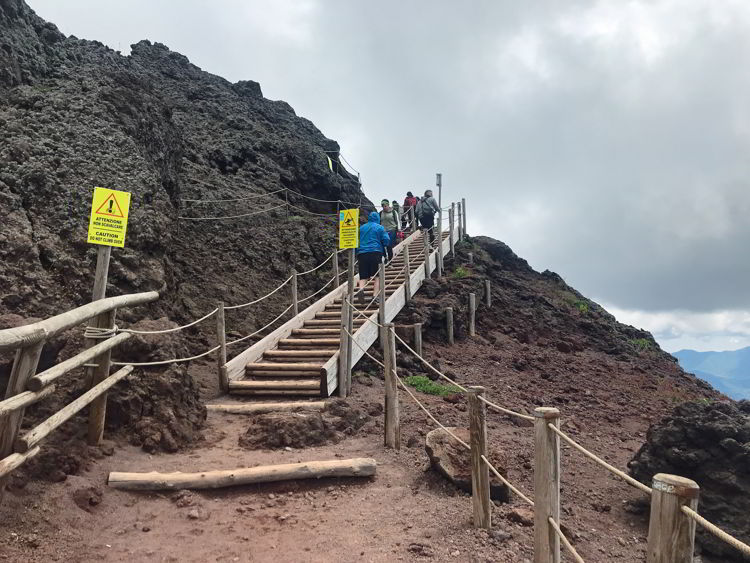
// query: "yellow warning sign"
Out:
[109,217]
[349,228]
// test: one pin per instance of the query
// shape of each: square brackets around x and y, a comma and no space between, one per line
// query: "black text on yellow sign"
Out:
[349,228]
[109,217]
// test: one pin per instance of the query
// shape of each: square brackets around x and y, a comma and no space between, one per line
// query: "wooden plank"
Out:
[546,485]
[312,342]
[42,379]
[39,432]
[480,473]
[260,408]
[325,353]
[277,385]
[671,534]
[12,338]
[357,467]
[277,392]
[277,374]
[99,374]
[299,366]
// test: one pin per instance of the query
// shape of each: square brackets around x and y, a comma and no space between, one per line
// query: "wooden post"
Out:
[24,366]
[221,355]
[426,240]
[472,314]
[487,294]
[350,347]
[335,259]
[418,338]
[671,534]
[452,227]
[381,305]
[407,275]
[449,325]
[98,407]
[439,238]
[295,304]
[471,258]
[350,274]
[392,425]
[460,224]
[103,254]
[463,210]
[480,473]
[546,485]
[344,348]
[412,219]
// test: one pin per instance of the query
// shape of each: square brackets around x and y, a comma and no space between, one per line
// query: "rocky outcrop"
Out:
[451,460]
[708,442]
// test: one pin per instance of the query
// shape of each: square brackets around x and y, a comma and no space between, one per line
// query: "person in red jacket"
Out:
[409,203]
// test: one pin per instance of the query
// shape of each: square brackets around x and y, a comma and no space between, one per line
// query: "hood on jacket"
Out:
[374,217]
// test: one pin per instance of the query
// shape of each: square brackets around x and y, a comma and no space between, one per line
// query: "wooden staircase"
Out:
[300,358]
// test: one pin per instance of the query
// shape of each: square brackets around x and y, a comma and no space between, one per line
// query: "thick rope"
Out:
[162,362]
[504,410]
[622,475]
[323,263]
[317,292]
[266,296]
[232,216]
[253,196]
[564,540]
[260,329]
[507,483]
[97,332]
[715,530]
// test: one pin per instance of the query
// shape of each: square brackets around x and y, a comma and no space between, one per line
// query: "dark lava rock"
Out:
[453,461]
[302,429]
[709,443]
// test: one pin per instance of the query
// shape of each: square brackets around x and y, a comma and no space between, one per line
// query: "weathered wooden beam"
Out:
[260,408]
[546,485]
[671,534]
[153,481]
[480,473]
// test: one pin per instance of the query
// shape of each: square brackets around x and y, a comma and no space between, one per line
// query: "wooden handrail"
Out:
[18,337]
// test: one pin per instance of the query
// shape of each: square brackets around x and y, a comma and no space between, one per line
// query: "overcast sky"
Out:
[607,141]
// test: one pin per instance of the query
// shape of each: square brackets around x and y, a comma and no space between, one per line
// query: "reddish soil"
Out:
[405,513]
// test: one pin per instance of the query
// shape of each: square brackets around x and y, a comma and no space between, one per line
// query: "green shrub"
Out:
[641,344]
[460,272]
[426,385]
[582,306]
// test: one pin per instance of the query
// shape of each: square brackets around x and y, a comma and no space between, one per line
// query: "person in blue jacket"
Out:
[373,240]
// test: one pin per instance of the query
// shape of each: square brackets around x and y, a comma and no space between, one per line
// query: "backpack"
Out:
[395,216]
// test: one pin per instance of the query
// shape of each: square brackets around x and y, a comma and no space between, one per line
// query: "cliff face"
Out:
[75,114]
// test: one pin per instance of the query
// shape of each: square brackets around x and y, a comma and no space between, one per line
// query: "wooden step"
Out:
[329,322]
[316,332]
[276,385]
[309,342]
[279,374]
[276,392]
[292,354]
[328,315]
[291,366]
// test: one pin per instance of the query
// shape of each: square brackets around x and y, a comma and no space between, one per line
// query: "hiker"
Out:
[391,222]
[426,209]
[409,203]
[373,240]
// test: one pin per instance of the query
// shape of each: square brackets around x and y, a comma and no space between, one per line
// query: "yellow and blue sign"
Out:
[349,228]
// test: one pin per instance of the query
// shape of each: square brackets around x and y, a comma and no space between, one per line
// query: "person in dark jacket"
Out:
[409,203]
[426,209]
[391,222]
[373,241]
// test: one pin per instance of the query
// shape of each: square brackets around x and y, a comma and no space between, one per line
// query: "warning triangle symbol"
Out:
[110,207]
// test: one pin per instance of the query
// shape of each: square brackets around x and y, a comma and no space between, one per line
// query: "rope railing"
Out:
[253,196]
[266,296]
[507,483]
[233,216]
[284,312]
[318,291]
[97,332]
[621,474]
[311,270]
[716,531]
[565,541]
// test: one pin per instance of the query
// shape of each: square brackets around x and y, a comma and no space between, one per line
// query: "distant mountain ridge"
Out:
[729,371]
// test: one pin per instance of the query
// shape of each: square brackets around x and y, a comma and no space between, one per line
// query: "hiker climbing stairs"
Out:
[300,358]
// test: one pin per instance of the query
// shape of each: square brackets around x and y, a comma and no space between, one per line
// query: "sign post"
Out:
[107,226]
[349,228]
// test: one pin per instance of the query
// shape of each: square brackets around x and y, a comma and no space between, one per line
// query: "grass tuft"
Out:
[426,385]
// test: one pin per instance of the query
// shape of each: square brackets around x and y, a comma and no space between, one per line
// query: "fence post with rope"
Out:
[345,344]
[221,356]
[460,223]
[100,372]
[480,473]
[381,305]
[449,325]
[487,293]
[472,314]
[426,252]
[392,421]
[451,226]
[336,274]
[463,211]
[671,535]
[295,303]
[418,338]
[546,485]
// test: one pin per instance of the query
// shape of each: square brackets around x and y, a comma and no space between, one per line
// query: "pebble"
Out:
[194,514]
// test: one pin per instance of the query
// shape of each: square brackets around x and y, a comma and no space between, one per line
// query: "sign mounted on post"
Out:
[109,217]
[349,228]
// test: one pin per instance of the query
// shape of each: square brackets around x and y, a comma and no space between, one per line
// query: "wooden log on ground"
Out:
[356,467]
[260,408]
[39,432]
[41,380]
[24,399]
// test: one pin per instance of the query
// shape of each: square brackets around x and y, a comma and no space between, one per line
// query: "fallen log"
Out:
[259,408]
[154,481]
